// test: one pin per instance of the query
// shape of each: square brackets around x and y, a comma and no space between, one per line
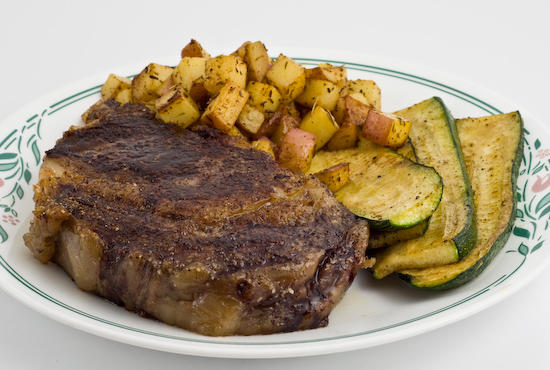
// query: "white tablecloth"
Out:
[503,46]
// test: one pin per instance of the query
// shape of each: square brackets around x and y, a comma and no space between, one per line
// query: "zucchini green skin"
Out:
[488,246]
[452,231]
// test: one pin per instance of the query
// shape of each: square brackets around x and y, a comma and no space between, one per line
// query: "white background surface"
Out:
[503,46]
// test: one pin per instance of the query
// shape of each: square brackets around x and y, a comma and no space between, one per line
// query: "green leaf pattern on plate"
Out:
[533,193]
[16,171]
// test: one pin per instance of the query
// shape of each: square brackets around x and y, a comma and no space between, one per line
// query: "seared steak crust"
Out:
[193,227]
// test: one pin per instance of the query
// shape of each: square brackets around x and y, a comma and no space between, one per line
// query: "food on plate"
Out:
[320,93]
[223,111]
[266,145]
[117,88]
[282,122]
[321,123]
[296,149]
[188,72]
[386,129]
[288,77]
[335,177]
[408,151]
[387,189]
[338,75]
[385,238]
[235,194]
[256,58]
[223,69]
[264,97]
[366,91]
[493,148]
[193,227]
[178,107]
[194,49]
[148,84]
[345,138]
[452,230]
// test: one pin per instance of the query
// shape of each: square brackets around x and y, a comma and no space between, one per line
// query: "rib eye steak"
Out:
[192,227]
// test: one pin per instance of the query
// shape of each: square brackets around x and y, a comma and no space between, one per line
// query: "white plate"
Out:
[372,312]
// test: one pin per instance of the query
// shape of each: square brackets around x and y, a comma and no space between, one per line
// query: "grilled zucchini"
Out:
[384,238]
[493,149]
[389,190]
[452,230]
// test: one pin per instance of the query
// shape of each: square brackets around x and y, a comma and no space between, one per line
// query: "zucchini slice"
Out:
[408,151]
[382,239]
[385,238]
[493,150]
[387,189]
[452,231]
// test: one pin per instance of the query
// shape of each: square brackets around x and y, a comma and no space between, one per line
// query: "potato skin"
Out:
[386,129]
[296,150]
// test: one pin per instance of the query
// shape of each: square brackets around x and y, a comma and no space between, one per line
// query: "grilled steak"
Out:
[194,228]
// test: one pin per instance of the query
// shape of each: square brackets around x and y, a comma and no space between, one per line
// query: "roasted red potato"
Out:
[296,150]
[194,49]
[386,129]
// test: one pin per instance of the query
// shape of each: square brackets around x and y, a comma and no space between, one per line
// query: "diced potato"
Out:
[359,97]
[356,112]
[369,89]
[319,92]
[289,109]
[166,86]
[264,97]
[288,77]
[177,107]
[268,127]
[146,85]
[339,111]
[250,120]
[199,93]
[114,86]
[194,49]
[266,145]
[234,131]
[327,72]
[223,69]
[346,137]
[335,177]
[286,123]
[257,61]
[125,96]
[224,109]
[320,122]
[296,150]
[189,70]
[386,129]
[241,50]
